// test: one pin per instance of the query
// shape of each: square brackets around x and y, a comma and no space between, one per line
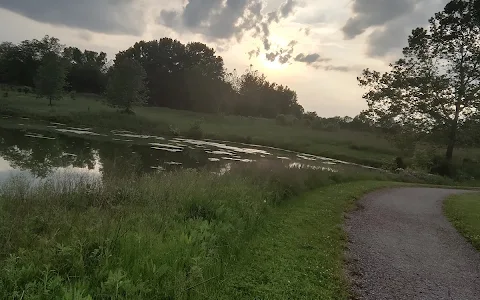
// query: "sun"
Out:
[273,65]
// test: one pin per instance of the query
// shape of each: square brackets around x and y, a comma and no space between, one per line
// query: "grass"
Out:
[298,252]
[165,235]
[360,147]
[464,213]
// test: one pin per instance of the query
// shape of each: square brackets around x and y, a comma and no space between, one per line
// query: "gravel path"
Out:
[402,247]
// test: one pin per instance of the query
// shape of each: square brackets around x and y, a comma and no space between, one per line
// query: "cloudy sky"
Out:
[317,48]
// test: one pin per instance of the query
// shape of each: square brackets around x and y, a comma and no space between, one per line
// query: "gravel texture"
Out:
[402,247]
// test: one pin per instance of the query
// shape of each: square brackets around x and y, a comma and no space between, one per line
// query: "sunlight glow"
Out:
[273,65]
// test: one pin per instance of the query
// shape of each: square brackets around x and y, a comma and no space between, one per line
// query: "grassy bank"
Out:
[464,213]
[360,147]
[160,236]
[298,253]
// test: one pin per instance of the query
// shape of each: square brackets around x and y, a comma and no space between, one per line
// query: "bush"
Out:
[195,131]
[422,159]
[281,120]
[468,170]
[5,94]
[173,131]
[73,95]
[286,120]
[26,90]
[443,167]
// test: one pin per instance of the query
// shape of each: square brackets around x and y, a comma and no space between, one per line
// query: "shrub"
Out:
[26,90]
[73,95]
[281,120]
[422,159]
[5,94]
[285,120]
[173,131]
[195,131]
[443,167]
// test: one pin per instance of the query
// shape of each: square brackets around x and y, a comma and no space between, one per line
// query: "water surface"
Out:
[40,149]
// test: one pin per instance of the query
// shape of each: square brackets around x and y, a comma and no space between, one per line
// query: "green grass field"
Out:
[360,147]
[464,213]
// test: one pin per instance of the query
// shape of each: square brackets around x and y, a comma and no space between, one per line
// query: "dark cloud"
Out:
[391,22]
[310,59]
[282,55]
[253,53]
[106,16]
[337,68]
[220,19]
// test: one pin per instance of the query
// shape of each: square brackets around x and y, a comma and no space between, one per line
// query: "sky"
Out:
[317,48]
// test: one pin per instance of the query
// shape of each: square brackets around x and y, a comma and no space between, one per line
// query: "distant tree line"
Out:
[178,76]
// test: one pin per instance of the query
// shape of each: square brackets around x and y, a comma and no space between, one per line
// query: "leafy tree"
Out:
[19,63]
[50,79]
[435,87]
[87,70]
[127,85]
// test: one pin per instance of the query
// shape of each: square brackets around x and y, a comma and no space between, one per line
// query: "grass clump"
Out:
[464,213]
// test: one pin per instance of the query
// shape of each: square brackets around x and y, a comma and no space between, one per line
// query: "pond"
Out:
[40,149]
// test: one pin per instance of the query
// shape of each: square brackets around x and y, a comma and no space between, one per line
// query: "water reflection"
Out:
[42,150]
[41,154]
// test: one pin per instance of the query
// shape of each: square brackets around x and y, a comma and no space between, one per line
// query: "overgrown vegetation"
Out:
[160,236]
[464,213]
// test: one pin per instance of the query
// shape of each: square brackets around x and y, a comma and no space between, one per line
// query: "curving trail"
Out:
[402,247]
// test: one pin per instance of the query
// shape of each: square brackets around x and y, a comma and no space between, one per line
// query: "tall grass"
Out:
[159,236]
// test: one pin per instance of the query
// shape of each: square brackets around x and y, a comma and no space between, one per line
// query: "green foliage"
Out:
[286,120]
[195,131]
[5,94]
[50,79]
[126,87]
[434,87]
[73,95]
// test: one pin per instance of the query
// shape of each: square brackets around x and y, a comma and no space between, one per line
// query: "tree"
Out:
[127,85]
[435,87]
[50,79]
[87,71]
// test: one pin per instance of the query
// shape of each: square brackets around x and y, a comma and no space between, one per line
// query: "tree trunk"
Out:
[50,103]
[452,136]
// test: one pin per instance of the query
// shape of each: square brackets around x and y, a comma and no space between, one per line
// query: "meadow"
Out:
[89,110]
[170,235]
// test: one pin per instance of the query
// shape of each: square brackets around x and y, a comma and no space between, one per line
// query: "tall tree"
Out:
[87,71]
[435,87]
[50,79]
[127,85]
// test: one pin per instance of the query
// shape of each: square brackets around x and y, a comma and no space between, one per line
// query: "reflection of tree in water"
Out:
[118,160]
[41,156]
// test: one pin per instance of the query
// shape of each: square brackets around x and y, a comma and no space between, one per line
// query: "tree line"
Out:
[163,73]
